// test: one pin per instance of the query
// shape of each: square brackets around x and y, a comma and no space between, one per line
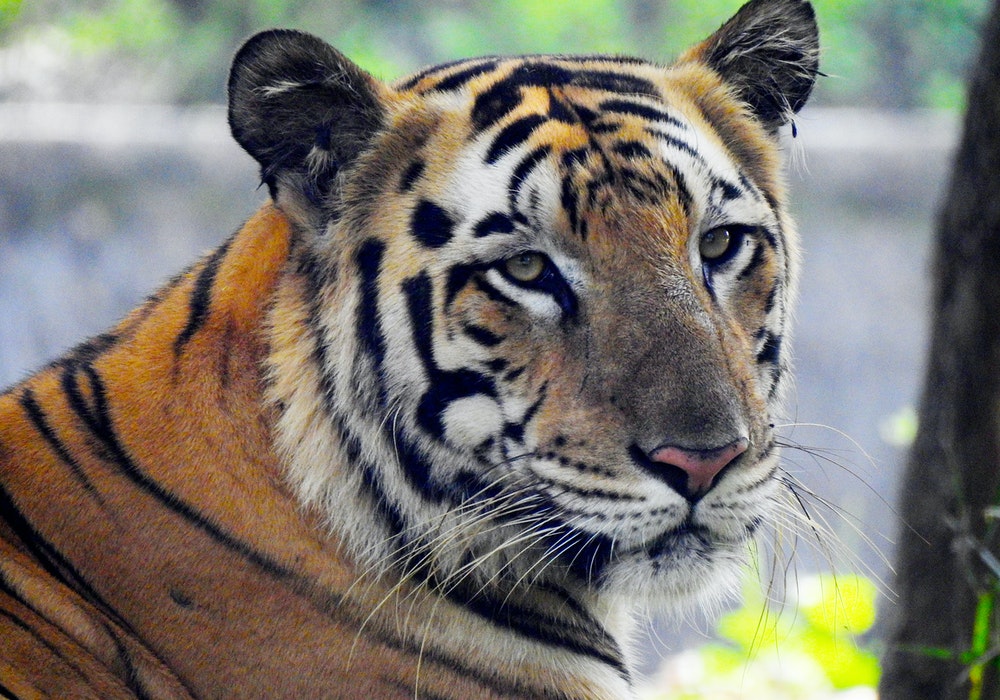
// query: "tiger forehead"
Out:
[617,108]
[611,73]
[603,122]
[499,87]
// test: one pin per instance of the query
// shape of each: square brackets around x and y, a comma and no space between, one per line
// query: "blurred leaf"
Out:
[843,663]
[900,428]
[838,605]
[139,25]
[9,11]
[901,53]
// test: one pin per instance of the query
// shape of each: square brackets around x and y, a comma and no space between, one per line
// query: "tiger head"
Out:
[535,332]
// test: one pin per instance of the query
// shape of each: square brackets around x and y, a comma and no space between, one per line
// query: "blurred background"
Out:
[116,170]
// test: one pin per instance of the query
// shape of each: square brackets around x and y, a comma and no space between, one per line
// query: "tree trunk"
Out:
[947,536]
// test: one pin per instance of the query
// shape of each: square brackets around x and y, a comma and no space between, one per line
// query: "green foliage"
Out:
[890,53]
[796,652]
[9,10]
[130,25]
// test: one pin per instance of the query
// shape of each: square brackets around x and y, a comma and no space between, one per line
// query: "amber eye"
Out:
[715,243]
[525,267]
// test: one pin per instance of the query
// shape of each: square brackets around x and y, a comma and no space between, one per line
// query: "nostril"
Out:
[700,465]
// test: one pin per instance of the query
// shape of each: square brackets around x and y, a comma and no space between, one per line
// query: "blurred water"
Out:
[99,205]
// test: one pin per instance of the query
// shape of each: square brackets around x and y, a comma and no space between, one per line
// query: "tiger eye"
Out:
[525,267]
[714,243]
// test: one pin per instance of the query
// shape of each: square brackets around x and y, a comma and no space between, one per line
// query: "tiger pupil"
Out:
[715,243]
[526,267]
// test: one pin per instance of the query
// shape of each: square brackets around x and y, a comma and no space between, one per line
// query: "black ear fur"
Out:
[302,110]
[768,51]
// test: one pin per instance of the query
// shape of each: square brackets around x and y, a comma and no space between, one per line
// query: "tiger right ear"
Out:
[304,112]
[769,54]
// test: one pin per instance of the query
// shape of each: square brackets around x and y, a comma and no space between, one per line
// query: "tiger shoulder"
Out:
[495,369]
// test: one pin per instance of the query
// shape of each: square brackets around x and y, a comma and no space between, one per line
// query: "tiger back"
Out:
[496,368]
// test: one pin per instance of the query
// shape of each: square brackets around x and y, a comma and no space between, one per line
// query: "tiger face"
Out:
[536,332]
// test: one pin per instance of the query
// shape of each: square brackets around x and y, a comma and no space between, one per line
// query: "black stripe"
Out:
[418,293]
[391,515]
[492,292]
[604,127]
[459,276]
[201,297]
[548,630]
[444,387]
[756,260]
[6,692]
[632,149]
[411,175]
[536,405]
[459,79]
[494,104]
[562,110]
[638,109]
[576,158]
[579,633]
[776,374]
[614,81]
[131,676]
[52,560]
[91,349]
[523,171]
[35,634]
[371,479]
[513,135]
[514,374]
[772,298]
[133,681]
[97,418]
[416,78]
[683,193]
[493,223]
[769,236]
[416,466]
[483,336]
[497,365]
[312,270]
[500,99]
[37,417]
[570,202]
[431,225]
[727,190]
[368,323]
[771,349]
[645,188]
[676,143]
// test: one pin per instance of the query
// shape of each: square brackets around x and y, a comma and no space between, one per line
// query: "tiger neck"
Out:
[536,638]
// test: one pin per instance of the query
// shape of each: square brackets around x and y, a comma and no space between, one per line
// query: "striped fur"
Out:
[400,436]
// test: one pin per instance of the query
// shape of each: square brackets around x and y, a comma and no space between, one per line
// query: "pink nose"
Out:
[701,466]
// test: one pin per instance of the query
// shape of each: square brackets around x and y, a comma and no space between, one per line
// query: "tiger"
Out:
[493,372]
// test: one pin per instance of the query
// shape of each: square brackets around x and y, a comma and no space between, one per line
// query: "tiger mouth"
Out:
[687,537]
[691,538]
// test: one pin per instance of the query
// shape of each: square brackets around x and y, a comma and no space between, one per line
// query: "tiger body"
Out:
[497,366]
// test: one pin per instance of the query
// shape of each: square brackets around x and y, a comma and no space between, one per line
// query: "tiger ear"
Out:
[769,53]
[304,112]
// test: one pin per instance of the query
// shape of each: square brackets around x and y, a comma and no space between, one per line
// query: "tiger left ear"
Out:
[769,54]
[305,112]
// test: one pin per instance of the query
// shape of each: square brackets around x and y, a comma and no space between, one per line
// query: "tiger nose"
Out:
[700,465]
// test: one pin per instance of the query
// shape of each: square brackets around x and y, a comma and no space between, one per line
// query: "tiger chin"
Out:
[496,367]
